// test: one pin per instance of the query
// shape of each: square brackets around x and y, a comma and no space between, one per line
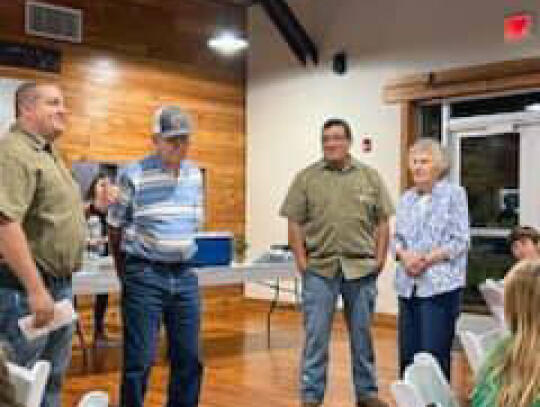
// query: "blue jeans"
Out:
[153,292]
[55,347]
[319,295]
[428,325]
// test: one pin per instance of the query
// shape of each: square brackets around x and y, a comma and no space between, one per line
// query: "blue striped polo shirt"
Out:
[158,212]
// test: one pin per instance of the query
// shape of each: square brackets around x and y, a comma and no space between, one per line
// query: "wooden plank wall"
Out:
[135,56]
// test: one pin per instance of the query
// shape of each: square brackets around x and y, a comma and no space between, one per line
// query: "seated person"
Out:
[525,243]
[511,375]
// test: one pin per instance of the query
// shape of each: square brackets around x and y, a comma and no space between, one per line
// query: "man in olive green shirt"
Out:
[42,231]
[337,211]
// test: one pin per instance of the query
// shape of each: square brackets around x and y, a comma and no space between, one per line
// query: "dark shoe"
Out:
[370,401]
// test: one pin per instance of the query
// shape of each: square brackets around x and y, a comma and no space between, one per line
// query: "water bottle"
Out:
[94,233]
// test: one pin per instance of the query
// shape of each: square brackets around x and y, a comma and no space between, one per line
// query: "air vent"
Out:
[59,23]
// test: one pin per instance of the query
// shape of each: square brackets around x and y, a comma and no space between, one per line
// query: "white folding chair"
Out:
[493,293]
[490,338]
[426,376]
[94,399]
[473,349]
[29,384]
[406,394]
[477,346]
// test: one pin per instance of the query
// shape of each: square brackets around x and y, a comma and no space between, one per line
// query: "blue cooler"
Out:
[213,249]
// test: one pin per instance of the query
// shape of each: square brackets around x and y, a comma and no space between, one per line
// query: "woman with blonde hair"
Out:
[511,375]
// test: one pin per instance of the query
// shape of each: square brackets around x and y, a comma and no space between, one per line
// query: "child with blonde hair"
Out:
[511,375]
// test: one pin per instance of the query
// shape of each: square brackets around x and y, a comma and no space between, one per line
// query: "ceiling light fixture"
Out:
[227,43]
[533,107]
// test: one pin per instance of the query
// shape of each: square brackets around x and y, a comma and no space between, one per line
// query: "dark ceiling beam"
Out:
[292,31]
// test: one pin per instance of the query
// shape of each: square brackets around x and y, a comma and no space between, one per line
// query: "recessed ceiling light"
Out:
[227,43]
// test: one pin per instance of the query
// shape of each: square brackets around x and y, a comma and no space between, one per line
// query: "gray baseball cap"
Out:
[171,121]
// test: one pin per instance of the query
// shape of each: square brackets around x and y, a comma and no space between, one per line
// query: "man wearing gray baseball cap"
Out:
[151,229]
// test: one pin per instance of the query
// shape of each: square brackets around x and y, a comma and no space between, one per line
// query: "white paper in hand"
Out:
[64,314]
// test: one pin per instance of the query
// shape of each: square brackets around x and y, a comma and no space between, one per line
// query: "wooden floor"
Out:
[240,370]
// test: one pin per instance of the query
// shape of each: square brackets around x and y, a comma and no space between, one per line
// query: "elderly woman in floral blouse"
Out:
[430,243]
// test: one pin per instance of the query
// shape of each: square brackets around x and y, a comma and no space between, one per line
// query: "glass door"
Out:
[497,160]
[487,165]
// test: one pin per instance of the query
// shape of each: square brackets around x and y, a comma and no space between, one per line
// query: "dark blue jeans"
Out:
[152,293]
[428,325]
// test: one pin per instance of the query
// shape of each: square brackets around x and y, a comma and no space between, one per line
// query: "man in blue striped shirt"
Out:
[151,229]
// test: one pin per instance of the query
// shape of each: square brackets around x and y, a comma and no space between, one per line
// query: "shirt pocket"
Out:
[53,192]
[363,204]
[318,201]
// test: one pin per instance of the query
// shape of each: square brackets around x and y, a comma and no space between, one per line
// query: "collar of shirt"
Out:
[351,164]
[39,143]
[437,187]
[182,168]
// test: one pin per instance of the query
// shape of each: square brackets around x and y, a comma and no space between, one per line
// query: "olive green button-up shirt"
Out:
[38,191]
[339,211]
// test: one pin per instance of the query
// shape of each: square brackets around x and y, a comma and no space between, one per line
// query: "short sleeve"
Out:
[294,206]
[17,186]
